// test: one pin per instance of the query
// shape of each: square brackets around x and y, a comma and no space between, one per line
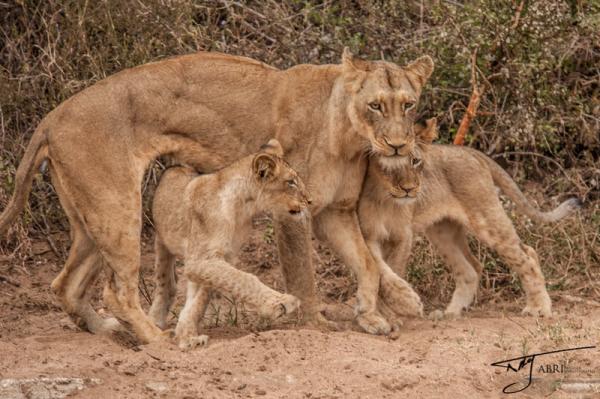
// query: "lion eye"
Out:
[292,183]
[408,105]
[375,106]
[416,162]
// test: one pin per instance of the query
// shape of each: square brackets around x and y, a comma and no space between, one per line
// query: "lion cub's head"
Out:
[382,102]
[282,190]
[403,181]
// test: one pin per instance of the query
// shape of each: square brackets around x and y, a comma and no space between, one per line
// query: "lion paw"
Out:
[158,317]
[537,311]
[398,295]
[373,323]
[284,304]
[112,324]
[438,315]
[189,343]
[107,326]
[317,320]
[540,306]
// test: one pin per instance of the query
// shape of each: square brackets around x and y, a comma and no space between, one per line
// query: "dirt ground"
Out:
[43,355]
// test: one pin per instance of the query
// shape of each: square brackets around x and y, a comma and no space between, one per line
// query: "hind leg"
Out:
[498,232]
[72,287]
[82,268]
[165,279]
[108,200]
[450,240]
[123,266]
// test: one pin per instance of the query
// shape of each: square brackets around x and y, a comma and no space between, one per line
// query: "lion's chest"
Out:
[336,184]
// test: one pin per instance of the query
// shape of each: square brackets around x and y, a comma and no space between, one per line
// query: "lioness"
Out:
[204,219]
[446,191]
[199,109]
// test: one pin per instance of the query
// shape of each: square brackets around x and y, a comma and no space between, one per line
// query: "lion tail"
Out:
[35,154]
[508,186]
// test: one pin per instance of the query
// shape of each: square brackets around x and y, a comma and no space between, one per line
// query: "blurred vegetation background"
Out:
[538,63]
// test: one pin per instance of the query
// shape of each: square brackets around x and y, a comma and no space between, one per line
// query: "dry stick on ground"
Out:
[574,299]
[463,128]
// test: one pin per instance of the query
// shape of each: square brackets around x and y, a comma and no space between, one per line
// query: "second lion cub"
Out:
[446,191]
[204,219]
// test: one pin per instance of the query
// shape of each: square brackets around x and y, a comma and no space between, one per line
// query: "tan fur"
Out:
[444,192]
[204,219]
[207,110]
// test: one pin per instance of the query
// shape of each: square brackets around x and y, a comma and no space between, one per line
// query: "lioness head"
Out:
[282,190]
[383,102]
[403,182]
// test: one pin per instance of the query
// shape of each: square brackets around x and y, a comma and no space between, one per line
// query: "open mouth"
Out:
[295,211]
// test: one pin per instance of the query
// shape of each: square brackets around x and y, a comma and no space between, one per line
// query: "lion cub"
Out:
[204,219]
[446,191]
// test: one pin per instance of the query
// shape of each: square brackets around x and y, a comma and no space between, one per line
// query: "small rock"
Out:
[261,392]
[157,386]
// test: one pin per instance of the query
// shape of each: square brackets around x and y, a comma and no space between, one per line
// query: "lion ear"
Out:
[273,147]
[422,68]
[347,58]
[428,133]
[264,166]
[353,68]
[351,62]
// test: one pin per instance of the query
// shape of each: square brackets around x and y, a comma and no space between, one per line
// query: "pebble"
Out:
[157,386]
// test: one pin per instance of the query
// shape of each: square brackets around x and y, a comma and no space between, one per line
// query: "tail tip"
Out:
[575,203]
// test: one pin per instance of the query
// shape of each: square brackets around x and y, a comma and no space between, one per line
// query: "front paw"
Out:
[189,343]
[438,315]
[280,306]
[317,320]
[399,296]
[537,311]
[540,305]
[373,323]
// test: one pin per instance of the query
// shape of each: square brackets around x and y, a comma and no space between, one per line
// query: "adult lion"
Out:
[207,110]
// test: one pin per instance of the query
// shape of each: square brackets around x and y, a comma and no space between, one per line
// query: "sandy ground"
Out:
[43,355]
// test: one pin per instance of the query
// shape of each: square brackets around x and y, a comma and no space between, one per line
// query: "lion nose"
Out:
[395,146]
[410,189]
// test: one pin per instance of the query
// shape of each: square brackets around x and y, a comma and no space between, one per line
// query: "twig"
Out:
[520,325]
[144,290]
[469,115]
[518,15]
[454,3]
[154,357]
[575,299]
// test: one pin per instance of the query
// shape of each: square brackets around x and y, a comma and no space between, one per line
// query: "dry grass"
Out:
[540,114]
